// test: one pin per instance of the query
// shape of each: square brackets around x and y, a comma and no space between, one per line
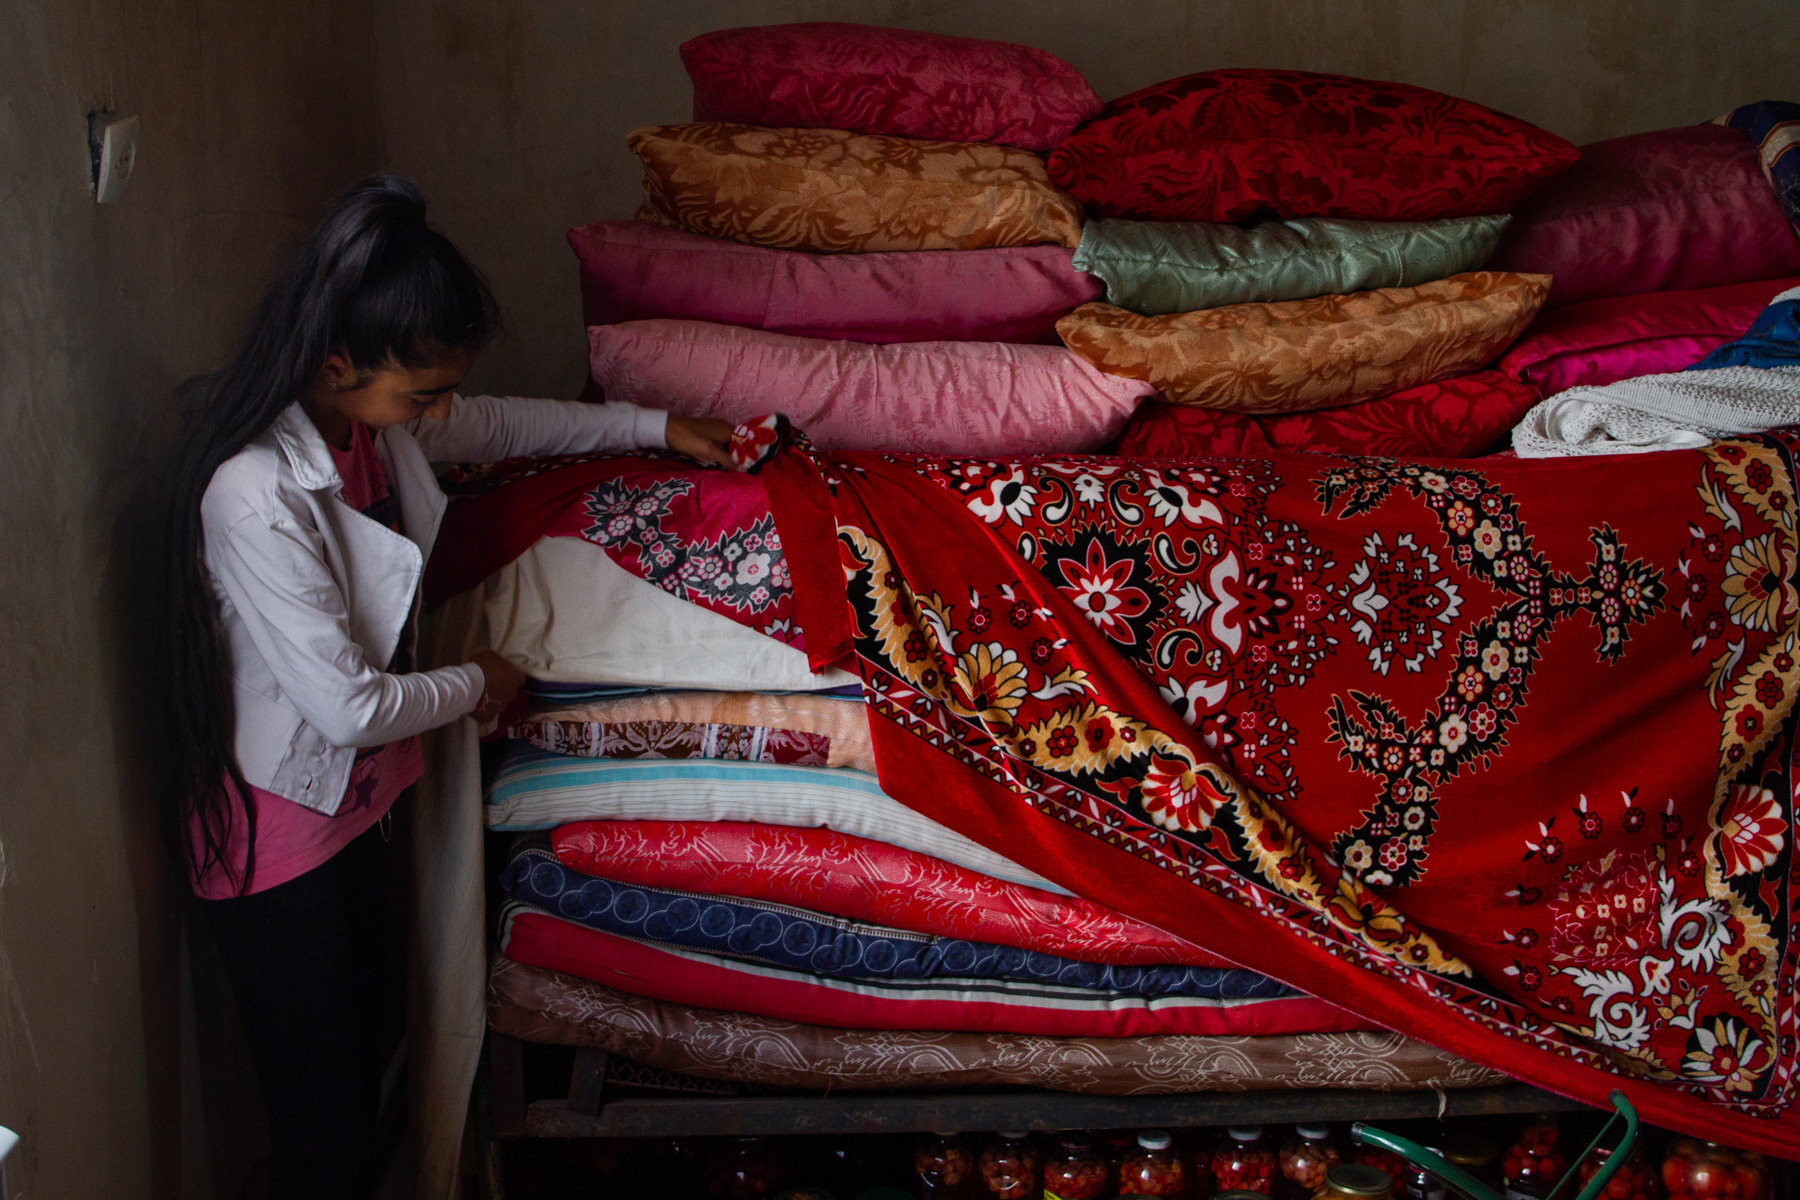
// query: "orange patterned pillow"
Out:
[1307,354]
[832,190]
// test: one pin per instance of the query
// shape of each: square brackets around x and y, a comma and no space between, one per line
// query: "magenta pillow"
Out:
[900,82]
[635,271]
[1677,209]
[1603,341]
[986,398]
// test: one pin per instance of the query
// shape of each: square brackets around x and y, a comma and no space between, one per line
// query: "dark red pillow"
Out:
[1452,418]
[1221,145]
[898,82]
[1663,211]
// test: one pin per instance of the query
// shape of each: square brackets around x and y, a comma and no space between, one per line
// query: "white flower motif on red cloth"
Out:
[1104,594]
[1751,830]
[1006,498]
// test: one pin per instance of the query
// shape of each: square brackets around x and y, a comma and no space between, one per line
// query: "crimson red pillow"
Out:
[1221,145]
[1452,418]
[1603,341]
[899,82]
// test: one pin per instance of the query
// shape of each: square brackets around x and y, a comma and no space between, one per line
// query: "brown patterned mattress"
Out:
[538,1005]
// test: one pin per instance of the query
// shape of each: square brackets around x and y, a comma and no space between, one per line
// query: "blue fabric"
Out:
[588,693]
[823,945]
[1773,341]
[1774,125]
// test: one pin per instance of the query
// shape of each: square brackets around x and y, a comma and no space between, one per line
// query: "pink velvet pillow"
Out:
[634,271]
[901,82]
[1603,341]
[986,398]
[1680,208]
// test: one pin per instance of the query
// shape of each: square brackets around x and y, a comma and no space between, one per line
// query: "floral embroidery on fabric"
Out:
[1636,938]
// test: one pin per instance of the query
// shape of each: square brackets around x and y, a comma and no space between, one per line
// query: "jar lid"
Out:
[1012,1135]
[1238,1194]
[1155,1139]
[1470,1150]
[1074,1141]
[1313,1133]
[1358,1179]
[1245,1133]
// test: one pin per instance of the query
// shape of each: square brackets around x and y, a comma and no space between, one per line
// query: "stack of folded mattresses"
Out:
[698,829]
[693,838]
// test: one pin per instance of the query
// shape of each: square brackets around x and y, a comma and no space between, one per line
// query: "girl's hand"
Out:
[703,438]
[504,681]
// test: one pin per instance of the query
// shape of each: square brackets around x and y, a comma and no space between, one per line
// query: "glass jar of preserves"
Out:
[744,1168]
[1534,1163]
[1477,1155]
[1636,1179]
[1357,1181]
[1244,1161]
[1153,1169]
[1385,1161]
[1074,1170]
[943,1168]
[1306,1157]
[1693,1169]
[1008,1167]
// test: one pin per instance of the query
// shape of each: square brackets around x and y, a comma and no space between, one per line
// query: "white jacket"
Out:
[314,597]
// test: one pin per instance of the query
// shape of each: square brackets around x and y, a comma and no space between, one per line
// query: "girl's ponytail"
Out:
[376,283]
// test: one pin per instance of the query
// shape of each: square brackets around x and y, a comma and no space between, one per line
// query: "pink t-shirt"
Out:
[292,839]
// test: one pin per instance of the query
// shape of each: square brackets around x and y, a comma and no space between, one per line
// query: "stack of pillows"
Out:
[912,242]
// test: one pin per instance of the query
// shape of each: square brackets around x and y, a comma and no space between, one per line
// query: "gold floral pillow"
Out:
[833,190]
[1307,354]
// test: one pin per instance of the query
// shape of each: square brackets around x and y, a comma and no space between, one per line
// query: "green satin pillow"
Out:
[1161,267]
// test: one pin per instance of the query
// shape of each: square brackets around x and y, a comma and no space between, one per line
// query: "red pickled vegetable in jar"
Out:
[1153,1169]
[1693,1169]
[943,1168]
[1075,1170]
[1532,1165]
[1635,1180]
[1306,1157]
[1244,1162]
[1385,1161]
[1008,1167]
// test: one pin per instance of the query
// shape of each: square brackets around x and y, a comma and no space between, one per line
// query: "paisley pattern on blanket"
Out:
[1499,753]
[1449,724]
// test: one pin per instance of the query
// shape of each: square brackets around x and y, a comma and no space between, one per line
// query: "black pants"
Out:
[315,965]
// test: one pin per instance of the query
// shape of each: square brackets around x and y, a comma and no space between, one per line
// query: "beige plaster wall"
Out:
[115,1061]
[513,116]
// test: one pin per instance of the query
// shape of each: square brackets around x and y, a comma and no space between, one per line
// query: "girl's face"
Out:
[391,395]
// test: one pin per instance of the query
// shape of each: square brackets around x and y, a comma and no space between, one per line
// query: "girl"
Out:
[302,509]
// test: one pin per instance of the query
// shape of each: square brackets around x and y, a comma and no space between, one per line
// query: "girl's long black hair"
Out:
[373,282]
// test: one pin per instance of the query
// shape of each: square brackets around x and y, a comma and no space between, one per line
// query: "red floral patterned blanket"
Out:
[1497,754]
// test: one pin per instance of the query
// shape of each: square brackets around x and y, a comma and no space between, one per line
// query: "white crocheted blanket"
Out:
[1679,411]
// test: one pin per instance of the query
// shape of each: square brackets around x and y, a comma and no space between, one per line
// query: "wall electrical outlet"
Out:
[112,148]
